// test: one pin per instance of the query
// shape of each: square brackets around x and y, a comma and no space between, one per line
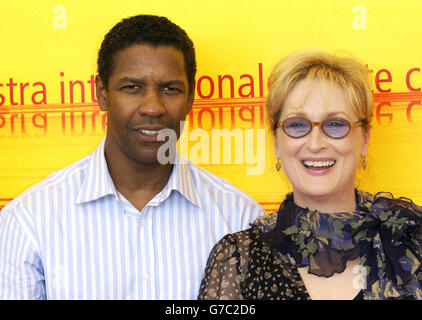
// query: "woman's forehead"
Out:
[314,97]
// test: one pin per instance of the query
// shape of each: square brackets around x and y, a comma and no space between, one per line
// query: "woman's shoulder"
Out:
[266,222]
[248,240]
[394,226]
[239,239]
[386,200]
[400,216]
[261,224]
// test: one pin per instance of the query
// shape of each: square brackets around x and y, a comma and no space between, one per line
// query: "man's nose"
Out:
[152,104]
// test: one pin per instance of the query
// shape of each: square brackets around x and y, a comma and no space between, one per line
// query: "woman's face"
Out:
[320,167]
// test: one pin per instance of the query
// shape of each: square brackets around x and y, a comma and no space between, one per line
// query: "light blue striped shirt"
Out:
[74,236]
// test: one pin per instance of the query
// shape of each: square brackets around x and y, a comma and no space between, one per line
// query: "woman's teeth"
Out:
[319,164]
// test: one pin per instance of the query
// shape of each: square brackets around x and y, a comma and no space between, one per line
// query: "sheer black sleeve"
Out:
[225,269]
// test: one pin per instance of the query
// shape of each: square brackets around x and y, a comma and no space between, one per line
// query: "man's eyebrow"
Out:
[142,80]
[172,82]
[131,79]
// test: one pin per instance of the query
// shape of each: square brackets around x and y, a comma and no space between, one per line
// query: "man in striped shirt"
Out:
[119,224]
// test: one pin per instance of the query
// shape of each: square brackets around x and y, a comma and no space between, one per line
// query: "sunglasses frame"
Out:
[358,123]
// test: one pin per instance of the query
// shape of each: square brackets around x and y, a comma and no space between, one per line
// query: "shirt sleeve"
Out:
[21,271]
[222,275]
[247,210]
[255,211]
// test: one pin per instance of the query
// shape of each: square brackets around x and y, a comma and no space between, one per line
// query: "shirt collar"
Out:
[97,182]
[181,180]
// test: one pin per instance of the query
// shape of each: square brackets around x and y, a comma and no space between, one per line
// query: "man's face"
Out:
[147,91]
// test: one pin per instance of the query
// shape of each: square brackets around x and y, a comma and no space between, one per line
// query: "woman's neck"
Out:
[339,202]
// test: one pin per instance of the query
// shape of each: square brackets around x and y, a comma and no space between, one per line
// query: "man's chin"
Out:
[149,154]
[152,159]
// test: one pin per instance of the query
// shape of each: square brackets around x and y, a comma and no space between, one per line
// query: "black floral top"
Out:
[242,266]
[262,262]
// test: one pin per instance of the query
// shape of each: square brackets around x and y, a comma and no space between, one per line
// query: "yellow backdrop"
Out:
[49,117]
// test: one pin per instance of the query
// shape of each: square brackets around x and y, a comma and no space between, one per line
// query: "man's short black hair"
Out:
[145,29]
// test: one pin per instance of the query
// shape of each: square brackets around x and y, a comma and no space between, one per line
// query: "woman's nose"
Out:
[316,139]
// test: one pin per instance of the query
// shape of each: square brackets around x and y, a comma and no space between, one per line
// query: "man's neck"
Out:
[137,182]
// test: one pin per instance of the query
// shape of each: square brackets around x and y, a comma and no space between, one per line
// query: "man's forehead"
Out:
[138,61]
[145,49]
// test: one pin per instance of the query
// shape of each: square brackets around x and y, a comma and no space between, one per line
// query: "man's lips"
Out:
[148,133]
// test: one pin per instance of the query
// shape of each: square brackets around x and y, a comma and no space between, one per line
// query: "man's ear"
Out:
[191,98]
[101,91]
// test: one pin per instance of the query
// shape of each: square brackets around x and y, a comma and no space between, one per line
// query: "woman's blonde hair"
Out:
[345,71]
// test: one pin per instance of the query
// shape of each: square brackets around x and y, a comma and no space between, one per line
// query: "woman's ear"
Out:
[365,146]
[276,146]
[101,91]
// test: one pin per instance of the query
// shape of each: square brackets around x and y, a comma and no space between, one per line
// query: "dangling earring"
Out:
[364,163]
[278,165]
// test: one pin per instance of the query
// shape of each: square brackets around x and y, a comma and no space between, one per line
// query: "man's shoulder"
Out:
[58,181]
[210,182]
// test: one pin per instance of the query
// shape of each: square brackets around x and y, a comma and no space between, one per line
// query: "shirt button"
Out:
[145,276]
[143,224]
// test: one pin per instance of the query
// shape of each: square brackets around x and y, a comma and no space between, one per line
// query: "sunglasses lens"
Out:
[336,128]
[296,127]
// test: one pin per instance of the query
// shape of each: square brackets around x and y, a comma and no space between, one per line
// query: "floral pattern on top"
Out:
[384,233]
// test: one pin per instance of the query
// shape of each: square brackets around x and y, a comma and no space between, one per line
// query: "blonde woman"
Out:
[328,240]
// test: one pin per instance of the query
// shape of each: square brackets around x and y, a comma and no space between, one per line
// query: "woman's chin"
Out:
[316,193]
